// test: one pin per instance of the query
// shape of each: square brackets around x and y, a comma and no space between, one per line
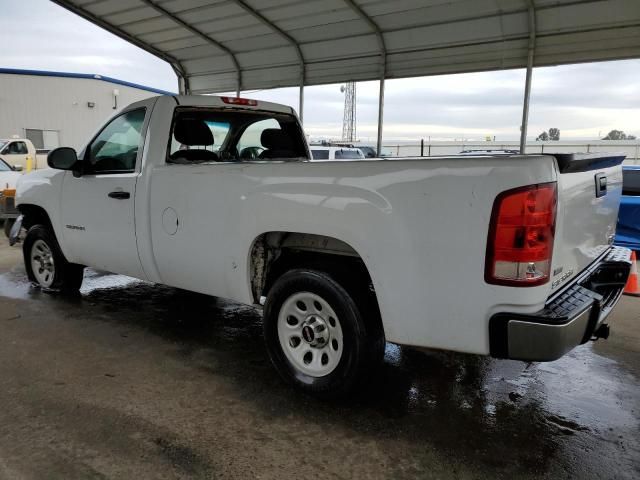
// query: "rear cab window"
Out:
[202,135]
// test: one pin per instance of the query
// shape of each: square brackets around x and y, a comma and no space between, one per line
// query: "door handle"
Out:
[119,195]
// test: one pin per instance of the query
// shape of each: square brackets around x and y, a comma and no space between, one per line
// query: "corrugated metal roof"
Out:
[218,45]
[88,76]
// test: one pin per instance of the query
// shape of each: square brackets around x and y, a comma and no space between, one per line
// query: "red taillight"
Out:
[240,101]
[521,234]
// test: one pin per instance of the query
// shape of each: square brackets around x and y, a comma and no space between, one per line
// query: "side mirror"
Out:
[63,158]
[17,168]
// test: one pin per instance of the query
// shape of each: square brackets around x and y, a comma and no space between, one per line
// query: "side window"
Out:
[17,148]
[250,144]
[320,154]
[631,182]
[115,148]
[20,148]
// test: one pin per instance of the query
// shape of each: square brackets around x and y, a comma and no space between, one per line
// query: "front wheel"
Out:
[316,335]
[45,263]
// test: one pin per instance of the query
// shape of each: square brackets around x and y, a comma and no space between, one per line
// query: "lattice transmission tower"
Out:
[349,119]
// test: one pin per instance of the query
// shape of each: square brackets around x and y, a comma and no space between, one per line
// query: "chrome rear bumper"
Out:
[569,318]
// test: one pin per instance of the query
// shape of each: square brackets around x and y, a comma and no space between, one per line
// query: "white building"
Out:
[61,109]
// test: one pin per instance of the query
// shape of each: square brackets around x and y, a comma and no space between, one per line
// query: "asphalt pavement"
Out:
[134,380]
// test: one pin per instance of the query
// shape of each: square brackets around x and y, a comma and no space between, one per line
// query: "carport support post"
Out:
[183,82]
[301,103]
[380,114]
[525,110]
[527,83]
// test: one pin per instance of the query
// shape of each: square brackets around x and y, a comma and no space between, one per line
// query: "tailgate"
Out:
[589,190]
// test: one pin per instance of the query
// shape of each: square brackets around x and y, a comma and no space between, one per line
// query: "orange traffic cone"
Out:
[633,287]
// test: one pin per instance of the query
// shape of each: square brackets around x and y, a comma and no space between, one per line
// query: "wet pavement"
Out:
[133,380]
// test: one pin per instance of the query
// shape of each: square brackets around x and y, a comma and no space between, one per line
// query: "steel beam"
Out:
[202,35]
[527,83]
[380,116]
[174,62]
[301,102]
[182,82]
[292,41]
[383,65]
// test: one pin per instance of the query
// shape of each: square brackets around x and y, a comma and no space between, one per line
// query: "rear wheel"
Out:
[316,334]
[45,264]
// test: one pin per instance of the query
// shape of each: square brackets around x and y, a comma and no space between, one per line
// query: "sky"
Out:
[584,101]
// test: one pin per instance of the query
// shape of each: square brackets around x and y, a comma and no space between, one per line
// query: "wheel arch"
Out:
[272,253]
[33,215]
[276,252]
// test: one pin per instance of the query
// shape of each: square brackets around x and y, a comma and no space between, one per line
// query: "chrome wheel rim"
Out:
[310,334]
[42,264]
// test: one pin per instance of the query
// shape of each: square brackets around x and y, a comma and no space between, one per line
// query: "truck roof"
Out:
[235,102]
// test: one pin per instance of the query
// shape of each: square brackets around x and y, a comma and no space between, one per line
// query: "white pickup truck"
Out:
[19,153]
[507,256]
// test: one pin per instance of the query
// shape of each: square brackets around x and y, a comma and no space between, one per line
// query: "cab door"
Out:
[97,208]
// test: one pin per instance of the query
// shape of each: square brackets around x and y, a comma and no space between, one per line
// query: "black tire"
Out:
[67,277]
[8,223]
[362,340]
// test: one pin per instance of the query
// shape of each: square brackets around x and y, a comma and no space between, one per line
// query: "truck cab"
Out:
[19,153]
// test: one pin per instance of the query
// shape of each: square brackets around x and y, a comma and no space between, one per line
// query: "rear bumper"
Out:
[569,318]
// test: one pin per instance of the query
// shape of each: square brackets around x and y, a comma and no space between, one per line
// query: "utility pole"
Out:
[349,118]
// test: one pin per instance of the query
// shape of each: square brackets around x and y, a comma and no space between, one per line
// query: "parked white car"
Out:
[502,256]
[17,152]
[335,153]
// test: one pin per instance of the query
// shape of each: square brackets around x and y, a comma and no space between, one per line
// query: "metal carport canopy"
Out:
[225,45]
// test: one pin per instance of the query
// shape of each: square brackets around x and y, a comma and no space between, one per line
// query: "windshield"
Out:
[2,144]
[4,167]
